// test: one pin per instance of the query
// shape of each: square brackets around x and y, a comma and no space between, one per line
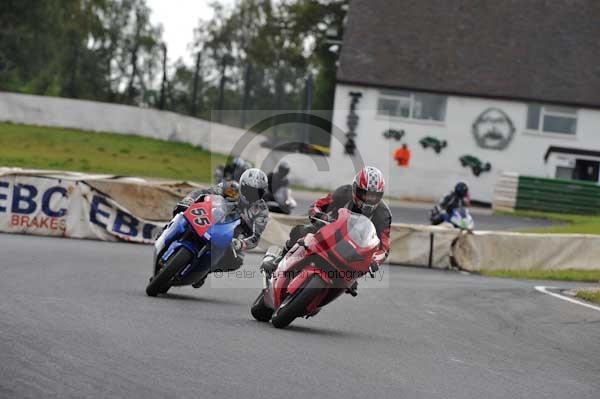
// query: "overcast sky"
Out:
[179,18]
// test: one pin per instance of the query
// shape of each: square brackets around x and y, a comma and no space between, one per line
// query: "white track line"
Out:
[544,290]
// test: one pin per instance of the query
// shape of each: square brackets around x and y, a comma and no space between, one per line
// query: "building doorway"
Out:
[586,170]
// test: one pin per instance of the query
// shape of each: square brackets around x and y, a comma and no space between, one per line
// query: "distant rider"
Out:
[458,198]
[248,203]
[364,196]
[279,177]
[234,169]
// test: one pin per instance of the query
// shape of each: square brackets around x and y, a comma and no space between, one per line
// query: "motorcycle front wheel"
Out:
[161,283]
[295,305]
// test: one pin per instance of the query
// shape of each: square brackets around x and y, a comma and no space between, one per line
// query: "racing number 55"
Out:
[201,219]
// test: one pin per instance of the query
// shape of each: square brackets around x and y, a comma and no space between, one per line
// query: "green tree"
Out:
[78,48]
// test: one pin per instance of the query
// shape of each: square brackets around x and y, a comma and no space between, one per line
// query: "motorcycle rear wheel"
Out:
[295,305]
[259,310]
[161,283]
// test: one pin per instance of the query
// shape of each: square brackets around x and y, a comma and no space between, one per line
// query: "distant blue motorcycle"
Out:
[193,242]
[459,218]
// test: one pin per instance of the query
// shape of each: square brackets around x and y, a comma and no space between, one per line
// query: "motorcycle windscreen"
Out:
[462,218]
[361,237]
[362,231]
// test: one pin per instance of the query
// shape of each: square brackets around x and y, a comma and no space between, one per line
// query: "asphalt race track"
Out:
[75,323]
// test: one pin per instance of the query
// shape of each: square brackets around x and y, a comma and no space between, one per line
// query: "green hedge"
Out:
[555,195]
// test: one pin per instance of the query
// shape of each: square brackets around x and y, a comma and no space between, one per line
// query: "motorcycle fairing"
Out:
[199,216]
[338,245]
[218,236]
[173,230]
[329,248]
[461,218]
[221,235]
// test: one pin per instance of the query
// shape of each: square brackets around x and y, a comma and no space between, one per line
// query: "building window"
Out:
[408,105]
[551,119]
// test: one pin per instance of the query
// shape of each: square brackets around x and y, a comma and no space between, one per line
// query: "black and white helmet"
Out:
[253,184]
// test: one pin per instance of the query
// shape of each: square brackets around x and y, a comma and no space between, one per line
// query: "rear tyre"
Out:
[259,310]
[295,305]
[161,283]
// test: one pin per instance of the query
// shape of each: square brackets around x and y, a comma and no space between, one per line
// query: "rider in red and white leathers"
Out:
[364,196]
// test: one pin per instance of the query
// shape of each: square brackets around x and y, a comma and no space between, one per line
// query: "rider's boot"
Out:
[352,289]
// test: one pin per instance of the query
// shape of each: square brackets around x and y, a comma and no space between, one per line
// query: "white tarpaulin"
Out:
[502,250]
[416,245]
[67,207]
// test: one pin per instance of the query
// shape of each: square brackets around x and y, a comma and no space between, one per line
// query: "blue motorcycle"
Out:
[192,244]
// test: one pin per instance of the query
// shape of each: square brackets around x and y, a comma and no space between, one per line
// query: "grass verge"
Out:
[565,275]
[67,149]
[589,295]
[566,223]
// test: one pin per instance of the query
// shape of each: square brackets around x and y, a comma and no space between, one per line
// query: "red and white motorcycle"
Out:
[317,270]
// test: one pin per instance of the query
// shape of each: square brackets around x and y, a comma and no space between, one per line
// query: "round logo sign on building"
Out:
[493,129]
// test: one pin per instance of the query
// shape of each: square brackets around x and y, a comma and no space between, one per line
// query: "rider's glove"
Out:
[181,207]
[237,244]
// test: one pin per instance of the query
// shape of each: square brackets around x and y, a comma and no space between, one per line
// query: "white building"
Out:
[504,86]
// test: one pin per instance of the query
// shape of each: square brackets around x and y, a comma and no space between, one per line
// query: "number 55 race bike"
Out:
[317,269]
[191,244]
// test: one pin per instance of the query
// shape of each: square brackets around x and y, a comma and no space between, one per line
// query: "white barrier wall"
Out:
[104,117]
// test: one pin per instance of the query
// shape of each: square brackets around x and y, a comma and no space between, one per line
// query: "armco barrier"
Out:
[102,207]
[504,250]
